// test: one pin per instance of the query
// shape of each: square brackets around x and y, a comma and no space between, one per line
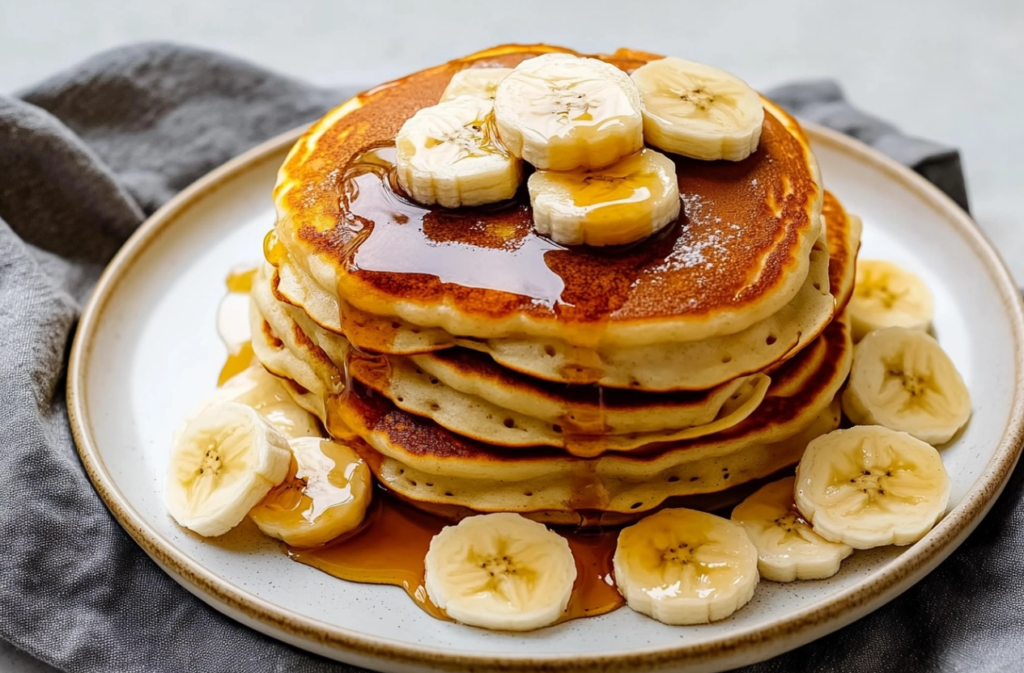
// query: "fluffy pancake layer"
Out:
[696,365]
[438,461]
[739,253]
[586,425]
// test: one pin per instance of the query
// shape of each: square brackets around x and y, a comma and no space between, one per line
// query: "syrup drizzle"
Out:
[238,282]
[455,247]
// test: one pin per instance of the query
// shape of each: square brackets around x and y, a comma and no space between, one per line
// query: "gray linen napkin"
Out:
[84,157]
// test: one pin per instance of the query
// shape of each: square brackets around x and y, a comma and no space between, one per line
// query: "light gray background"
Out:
[950,70]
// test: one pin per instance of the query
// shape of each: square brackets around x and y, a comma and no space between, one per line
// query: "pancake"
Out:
[844,233]
[738,254]
[688,366]
[756,447]
[576,407]
[556,499]
[559,488]
[415,391]
[572,406]
[806,385]
[279,360]
[479,366]
[583,430]
[466,393]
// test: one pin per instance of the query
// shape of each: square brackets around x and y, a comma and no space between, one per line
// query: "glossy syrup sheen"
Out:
[391,546]
[493,254]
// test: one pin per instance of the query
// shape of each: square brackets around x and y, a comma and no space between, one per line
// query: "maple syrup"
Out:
[236,363]
[449,248]
[238,281]
[391,545]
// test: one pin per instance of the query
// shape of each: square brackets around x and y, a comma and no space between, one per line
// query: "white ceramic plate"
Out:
[147,350]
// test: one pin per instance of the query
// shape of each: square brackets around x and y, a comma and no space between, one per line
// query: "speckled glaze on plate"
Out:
[147,351]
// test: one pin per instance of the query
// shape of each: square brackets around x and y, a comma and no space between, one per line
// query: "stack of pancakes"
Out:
[482,367]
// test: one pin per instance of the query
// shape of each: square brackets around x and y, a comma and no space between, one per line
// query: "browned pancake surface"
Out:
[743,228]
[368,412]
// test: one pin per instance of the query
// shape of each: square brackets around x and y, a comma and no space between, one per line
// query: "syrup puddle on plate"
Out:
[390,547]
[391,544]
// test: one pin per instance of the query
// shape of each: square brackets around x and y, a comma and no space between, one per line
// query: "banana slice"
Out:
[257,388]
[887,295]
[325,495]
[222,464]
[787,548]
[681,566]
[903,380]
[870,487]
[500,571]
[482,82]
[698,111]
[625,202]
[449,154]
[561,112]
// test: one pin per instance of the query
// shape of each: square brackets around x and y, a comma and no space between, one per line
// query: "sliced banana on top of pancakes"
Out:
[698,111]
[479,82]
[561,112]
[582,123]
[627,201]
[448,154]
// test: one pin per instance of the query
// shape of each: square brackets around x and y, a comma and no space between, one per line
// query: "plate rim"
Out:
[751,644]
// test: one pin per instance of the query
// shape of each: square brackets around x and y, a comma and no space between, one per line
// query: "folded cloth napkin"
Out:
[84,158]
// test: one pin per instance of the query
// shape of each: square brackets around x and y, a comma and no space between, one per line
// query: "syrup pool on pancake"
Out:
[409,462]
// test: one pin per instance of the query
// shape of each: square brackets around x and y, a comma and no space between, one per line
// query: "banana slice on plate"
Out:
[257,388]
[449,154]
[625,202]
[561,112]
[887,295]
[482,82]
[500,571]
[681,566]
[325,495]
[698,111]
[870,487]
[223,463]
[903,380]
[787,548]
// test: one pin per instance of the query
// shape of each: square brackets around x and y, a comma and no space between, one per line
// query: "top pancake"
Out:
[739,252]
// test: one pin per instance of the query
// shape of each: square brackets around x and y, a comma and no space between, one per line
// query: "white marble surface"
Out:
[943,69]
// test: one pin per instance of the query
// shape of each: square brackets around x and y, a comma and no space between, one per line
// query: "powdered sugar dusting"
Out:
[702,238]
[312,192]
